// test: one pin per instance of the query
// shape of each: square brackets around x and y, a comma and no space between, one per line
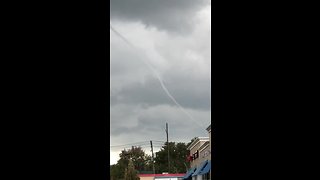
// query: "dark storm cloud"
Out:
[172,15]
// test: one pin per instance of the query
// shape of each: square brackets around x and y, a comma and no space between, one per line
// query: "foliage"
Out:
[140,161]
[177,155]
[130,172]
[116,172]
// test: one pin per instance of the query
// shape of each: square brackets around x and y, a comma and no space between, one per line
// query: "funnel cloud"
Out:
[160,71]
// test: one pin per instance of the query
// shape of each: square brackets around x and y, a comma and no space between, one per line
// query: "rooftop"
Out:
[209,128]
[197,140]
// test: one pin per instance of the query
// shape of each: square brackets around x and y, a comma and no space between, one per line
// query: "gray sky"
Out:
[174,38]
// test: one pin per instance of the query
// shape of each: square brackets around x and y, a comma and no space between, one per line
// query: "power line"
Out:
[143,142]
[139,143]
[129,146]
[157,141]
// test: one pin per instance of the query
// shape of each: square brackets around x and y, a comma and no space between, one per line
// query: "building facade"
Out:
[210,147]
[194,149]
[200,158]
[209,132]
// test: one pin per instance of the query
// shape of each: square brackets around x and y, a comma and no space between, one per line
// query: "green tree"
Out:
[130,172]
[141,162]
[177,155]
[148,166]
[116,172]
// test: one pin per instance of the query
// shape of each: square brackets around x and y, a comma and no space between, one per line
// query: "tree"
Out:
[130,172]
[148,165]
[116,172]
[178,153]
[140,161]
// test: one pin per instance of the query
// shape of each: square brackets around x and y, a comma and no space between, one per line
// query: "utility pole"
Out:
[167,131]
[152,158]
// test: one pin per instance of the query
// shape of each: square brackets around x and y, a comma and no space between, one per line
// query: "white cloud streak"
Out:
[172,38]
[158,77]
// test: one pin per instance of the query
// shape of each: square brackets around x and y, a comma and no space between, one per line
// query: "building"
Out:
[161,176]
[209,131]
[200,158]
[194,148]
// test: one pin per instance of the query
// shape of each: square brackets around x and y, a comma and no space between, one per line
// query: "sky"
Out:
[160,70]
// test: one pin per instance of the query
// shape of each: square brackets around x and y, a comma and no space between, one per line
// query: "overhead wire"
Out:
[139,143]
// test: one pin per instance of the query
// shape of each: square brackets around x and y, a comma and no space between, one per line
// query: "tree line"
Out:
[134,161]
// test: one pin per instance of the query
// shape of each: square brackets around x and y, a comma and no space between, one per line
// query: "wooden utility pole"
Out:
[152,158]
[167,131]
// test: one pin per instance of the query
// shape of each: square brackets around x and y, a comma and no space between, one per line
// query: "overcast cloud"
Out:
[173,15]
[174,36]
